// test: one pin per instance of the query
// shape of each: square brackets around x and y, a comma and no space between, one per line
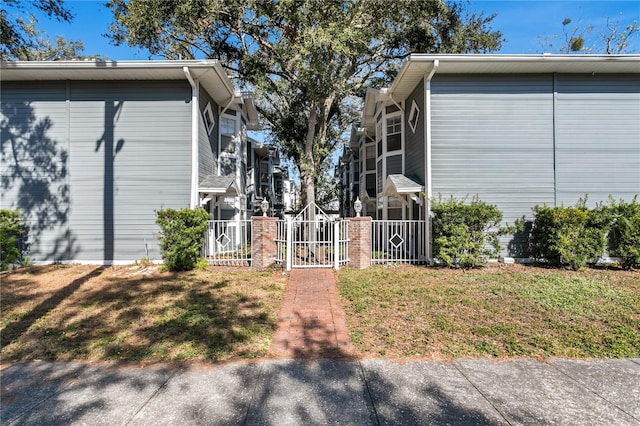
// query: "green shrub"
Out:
[13,232]
[182,233]
[465,234]
[624,233]
[568,236]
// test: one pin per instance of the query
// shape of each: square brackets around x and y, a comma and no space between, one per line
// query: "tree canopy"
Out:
[307,60]
[22,40]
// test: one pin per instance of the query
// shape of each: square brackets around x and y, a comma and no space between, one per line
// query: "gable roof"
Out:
[210,74]
[401,185]
[218,185]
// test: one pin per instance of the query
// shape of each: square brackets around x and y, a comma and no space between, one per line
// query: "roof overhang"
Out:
[369,109]
[219,185]
[209,73]
[252,111]
[401,185]
[418,65]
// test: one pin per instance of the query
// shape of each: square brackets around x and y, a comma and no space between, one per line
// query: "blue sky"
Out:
[521,22]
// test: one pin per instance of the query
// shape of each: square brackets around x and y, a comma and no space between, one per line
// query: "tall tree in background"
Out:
[614,38]
[307,60]
[22,40]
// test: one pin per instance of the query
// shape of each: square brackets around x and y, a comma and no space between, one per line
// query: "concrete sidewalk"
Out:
[292,392]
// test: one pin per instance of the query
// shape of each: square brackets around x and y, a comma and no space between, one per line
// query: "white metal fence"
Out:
[228,242]
[398,241]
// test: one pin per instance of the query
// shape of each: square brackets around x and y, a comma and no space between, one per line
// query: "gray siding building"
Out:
[90,150]
[516,130]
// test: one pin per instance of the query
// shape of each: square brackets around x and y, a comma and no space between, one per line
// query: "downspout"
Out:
[427,124]
[195,111]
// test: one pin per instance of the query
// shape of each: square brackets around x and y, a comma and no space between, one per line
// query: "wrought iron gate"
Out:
[313,239]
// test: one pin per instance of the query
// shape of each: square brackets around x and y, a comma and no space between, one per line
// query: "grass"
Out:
[492,312]
[135,313]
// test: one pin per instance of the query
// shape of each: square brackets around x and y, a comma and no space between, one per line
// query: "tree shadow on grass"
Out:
[15,330]
[159,318]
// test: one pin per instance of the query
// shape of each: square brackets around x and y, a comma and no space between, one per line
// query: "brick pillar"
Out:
[263,241]
[360,242]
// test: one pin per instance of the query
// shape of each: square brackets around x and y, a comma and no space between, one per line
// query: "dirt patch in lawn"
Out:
[499,311]
[134,313]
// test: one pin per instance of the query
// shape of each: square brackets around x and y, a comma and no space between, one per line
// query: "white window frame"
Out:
[209,120]
[233,135]
[414,116]
[393,116]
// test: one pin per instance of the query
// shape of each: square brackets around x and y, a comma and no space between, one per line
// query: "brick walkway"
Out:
[311,323]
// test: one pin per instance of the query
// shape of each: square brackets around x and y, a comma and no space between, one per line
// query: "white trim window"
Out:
[413,116]
[227,135]
[394,133]
[207,117]
[229,158]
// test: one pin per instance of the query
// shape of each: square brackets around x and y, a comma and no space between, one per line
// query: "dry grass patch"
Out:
[498,311]
[135,313]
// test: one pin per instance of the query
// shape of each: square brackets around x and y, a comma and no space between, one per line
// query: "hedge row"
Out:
[466,234]
[576,236]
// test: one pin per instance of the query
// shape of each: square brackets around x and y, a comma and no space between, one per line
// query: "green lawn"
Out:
[498,311]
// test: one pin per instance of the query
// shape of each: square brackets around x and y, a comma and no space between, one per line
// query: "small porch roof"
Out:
[219,185]
[401,185]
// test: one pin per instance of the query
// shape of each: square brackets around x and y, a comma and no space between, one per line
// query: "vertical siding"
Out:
[493,136]
[207,143]
[130,155]
[597,137]
[415,142]
[33,167]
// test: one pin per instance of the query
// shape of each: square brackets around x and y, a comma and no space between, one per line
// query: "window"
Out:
[394,125]
[227,135]
[394,133]
[207,116]
[413,116]
[371,157]
[227,166]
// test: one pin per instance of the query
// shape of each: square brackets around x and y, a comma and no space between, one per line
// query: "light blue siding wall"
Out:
[597,137]
[130,155]
[493,136]
[34,166]
[121,150]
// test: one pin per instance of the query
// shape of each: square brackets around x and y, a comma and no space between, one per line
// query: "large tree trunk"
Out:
[316,135]
[307,166]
